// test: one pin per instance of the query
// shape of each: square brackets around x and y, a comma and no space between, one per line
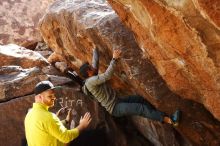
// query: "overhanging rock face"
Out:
[73,28]
[178,46]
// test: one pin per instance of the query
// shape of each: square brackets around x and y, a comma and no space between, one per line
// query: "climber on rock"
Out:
[95,85]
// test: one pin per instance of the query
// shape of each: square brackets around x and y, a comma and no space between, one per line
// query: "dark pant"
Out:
[137,105]
[24,142]
[95,137]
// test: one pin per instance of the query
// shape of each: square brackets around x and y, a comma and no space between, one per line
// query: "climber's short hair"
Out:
[84,70]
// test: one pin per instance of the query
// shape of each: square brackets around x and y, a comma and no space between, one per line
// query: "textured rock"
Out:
[51,70]
[62,66]
[12,120]
[59,80]
[72,32]
[15,81]
[209,10]
[20,56]
[43,49]
[175,47]
[157,133]
[19,19]
[191,12]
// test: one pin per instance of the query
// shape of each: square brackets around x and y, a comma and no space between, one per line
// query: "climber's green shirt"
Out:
[44,128]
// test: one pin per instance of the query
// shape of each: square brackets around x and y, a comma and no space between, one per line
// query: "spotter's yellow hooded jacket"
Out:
[43,128]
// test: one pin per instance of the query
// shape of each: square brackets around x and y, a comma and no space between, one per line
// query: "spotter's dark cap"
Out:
[43,86]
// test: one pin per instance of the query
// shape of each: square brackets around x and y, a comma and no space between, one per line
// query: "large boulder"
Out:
[183,50]
[19,19]
[16,55]
[73,30]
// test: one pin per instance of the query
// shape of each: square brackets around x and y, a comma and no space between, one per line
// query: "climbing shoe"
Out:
[175,117]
